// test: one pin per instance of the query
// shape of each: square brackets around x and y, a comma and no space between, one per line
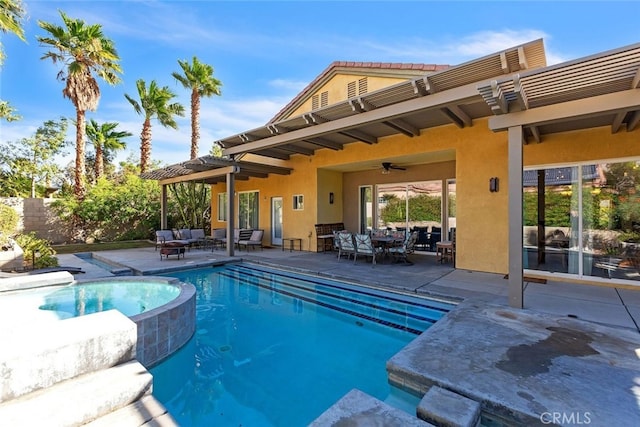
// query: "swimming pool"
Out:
[276,348]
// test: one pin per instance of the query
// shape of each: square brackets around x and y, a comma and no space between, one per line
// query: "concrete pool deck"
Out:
[572,353]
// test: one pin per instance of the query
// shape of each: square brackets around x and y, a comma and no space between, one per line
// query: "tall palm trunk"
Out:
[145,145]
[99,162]
[195,122]
[80,188]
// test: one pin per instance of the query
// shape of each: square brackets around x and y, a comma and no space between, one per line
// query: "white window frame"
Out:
[298,202]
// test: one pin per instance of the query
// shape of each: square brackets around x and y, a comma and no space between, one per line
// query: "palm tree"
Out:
[199,78]
[154,102]
[11,15]
[84,51]
[105,138]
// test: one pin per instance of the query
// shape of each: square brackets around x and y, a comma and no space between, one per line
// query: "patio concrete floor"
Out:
[573,352]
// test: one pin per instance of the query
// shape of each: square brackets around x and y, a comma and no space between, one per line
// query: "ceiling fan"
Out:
[388,166]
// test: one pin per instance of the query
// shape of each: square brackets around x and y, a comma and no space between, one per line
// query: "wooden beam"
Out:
[360,136]
[197,176]
[522,59]
[504,64]
[635,84]
[582,108]
[437,100]
[466,119]
[403,127]
[633,122]
[535,133]
[520,93]
[455,119]
[325,143]
[617,121]
[501,106]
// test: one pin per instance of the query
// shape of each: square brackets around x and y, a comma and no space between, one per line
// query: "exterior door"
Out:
[276,220]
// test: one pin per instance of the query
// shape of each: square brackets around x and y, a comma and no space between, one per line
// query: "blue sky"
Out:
[265,52]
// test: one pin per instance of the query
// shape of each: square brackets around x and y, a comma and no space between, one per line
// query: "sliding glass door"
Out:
[583,219]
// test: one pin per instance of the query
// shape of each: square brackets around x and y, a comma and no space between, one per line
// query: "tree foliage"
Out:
[84,52]
[154,101]
[192,204]
[197,77]
[105,139]
[32,160]
[127,208]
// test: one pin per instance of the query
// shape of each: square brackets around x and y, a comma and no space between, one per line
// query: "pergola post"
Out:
[231,188]
[163,207]
[515,249]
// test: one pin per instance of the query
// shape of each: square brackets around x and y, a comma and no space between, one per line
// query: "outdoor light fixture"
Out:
[331,198]
[493,184]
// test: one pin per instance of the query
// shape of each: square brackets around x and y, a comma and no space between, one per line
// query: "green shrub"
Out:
[31,245]
[8,223]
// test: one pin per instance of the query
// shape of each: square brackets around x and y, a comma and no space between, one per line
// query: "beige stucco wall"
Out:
[337,89]
[477,155]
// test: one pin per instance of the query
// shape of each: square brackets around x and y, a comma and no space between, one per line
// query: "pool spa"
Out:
[162,308]
[277,348]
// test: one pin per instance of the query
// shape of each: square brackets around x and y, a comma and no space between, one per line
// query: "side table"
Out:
[292,241]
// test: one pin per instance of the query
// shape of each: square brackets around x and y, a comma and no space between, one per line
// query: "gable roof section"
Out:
[390,69]
[439,98]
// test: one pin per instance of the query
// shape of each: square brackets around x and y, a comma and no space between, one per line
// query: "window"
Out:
[298,202]
[248,210]
[222,206]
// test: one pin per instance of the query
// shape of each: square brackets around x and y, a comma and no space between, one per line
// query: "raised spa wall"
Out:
[165,329]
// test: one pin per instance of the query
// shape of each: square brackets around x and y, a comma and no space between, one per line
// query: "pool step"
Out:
[146,411]
[79,400]
[75,371]
[34,358]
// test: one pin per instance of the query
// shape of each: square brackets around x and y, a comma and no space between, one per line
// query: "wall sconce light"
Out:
[494,184]
[331,198]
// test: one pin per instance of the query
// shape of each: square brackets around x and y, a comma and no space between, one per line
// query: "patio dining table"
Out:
[386,242]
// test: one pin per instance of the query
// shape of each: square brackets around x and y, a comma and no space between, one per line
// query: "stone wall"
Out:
[37,215]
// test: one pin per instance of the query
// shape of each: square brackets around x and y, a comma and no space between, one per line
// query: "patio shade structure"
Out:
[211,170]
[514,88]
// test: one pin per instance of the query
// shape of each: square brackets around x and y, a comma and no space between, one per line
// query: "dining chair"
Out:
[400,253]
[364,246]
[345,244]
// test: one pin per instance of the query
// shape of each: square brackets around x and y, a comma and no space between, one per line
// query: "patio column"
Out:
[516,276]
[231,200]
[163,207]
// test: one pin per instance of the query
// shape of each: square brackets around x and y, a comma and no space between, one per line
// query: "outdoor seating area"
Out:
[376,244]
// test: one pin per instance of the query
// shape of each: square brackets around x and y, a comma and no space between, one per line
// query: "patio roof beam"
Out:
[197,176]
[581,108]
[535,134]
[360,136]
[255,167]
[463,117]
[324,143]
[456,95]
[617,121]
[275,153]
[403,127]
[633,122]
[297,150]
[635,84]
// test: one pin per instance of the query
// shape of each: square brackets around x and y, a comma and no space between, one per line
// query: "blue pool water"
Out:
[278,348]
[129,297]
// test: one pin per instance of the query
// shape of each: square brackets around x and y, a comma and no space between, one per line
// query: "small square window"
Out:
[298,202]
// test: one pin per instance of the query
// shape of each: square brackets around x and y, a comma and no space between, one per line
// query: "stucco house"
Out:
[503,148]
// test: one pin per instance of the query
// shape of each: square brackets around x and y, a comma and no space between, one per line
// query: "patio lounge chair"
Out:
[400,253]
[254,240]
[364,246]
